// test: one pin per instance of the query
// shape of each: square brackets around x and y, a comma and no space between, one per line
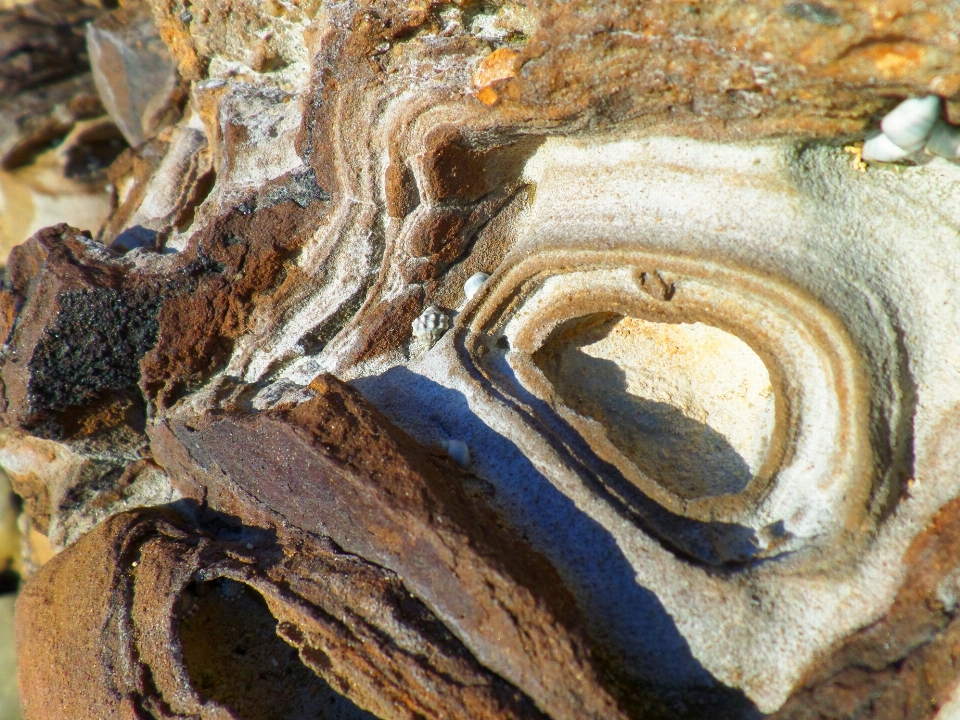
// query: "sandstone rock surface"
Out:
[687,449]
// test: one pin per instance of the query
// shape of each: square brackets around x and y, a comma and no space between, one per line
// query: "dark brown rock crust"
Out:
[133,642]
[905,665]
[335,467]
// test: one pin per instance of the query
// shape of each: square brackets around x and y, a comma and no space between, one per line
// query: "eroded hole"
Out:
[93,151]
[691,405]
[235,658]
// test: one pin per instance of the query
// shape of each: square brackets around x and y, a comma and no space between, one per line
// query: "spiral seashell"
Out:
[431,325]
[944,140]
[473,284]
[910,123]
[882,149]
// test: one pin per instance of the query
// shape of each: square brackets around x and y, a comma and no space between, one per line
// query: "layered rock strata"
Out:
[685,445]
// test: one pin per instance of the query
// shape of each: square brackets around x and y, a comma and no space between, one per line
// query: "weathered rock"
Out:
[152,622]
[55,141]
[74,437]
[157,189]
[44,76]
[335,467]
[81,328]
[134,72]
[905,664]
[708,391]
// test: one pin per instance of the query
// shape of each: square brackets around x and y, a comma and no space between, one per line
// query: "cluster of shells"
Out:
[915,124]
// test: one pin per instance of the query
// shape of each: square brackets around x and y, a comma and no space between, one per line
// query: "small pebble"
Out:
[473,283]
[458,452]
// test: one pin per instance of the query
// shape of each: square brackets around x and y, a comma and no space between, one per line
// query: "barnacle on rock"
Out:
[909,124]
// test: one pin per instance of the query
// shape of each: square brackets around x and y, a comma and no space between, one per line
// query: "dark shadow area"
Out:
[9,576]
[93,152]
[235,658]
[198,194]
[135,237]
[9,580]
[724,546]
[633,635]
[687,457]
[225,527]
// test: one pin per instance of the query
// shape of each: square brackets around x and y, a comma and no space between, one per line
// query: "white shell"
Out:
[910,123]
[473,284]
[882,149]
[945,140]
[431,325]
[458,452]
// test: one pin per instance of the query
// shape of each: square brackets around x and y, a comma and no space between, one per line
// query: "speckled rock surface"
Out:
[689,451]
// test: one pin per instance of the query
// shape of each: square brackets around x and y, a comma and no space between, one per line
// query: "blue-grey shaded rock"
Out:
[133,71]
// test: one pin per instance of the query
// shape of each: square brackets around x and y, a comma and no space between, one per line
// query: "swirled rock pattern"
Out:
[705,401]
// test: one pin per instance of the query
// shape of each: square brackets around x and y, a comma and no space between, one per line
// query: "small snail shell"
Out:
[431,325]
[458,452]
[945,140]
[473,284]
[882,149]
[910,123]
